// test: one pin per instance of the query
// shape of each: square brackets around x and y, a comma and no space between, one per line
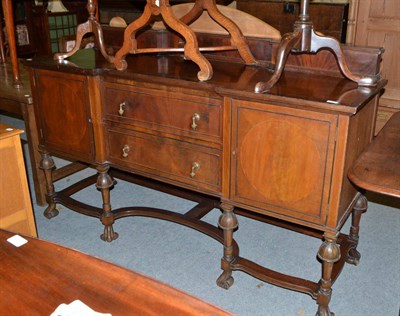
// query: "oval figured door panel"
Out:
[291,171]
[282,162]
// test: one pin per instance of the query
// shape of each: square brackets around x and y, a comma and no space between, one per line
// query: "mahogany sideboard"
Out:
[280,157]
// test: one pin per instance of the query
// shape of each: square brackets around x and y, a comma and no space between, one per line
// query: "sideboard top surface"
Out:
[308,89]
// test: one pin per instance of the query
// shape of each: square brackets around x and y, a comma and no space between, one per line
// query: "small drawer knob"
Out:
[195,168]
[125,151]
[195,118]
[121,109]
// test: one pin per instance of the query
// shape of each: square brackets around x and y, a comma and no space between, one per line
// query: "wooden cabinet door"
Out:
[62,102]
[282,160]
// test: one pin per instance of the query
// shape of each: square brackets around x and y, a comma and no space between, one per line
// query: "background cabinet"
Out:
[51,28]
[23,27]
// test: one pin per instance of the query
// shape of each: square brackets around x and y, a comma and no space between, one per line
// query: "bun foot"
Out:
[50,212]
[324,312]
[109,234]
[225,280]
[353,257]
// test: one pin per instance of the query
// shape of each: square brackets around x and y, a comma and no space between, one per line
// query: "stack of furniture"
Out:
[362,20]
[281,157]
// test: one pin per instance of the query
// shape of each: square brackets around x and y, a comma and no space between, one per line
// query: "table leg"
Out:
[90,26]
[228,222]
[2,50]
[47,165]
[329,253]
[39,180]
[361,206]
[305,40]
[9,19]
[104,183]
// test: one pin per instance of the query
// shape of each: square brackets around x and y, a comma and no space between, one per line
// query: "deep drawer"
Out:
[169,112]
[168,159]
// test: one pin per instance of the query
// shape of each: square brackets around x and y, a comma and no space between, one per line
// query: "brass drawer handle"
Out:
[195,118]
[121,108]
[195,168]
[125,151]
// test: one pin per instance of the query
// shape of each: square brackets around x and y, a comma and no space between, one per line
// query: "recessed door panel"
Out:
[282,159]
[64,113]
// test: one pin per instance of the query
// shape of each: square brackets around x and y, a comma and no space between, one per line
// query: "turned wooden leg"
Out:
[2,49]
[47,165]
[228,222]
[353,256]
[12,45]
[329,253]
[104,183]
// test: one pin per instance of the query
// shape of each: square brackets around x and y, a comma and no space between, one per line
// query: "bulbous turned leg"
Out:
[329,253]
[228,222]
[47,165]
[104,183]
[353,256]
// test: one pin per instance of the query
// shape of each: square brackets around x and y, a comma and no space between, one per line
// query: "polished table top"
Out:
[378,168]
[8,92]
[39,276]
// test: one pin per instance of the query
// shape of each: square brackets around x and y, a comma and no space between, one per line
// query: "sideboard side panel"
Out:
[354,135]
[96,115]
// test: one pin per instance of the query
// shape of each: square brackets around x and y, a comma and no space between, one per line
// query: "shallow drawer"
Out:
[166,158]
[170,112]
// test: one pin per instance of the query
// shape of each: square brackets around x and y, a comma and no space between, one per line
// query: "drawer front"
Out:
[166,159]
[170,112]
